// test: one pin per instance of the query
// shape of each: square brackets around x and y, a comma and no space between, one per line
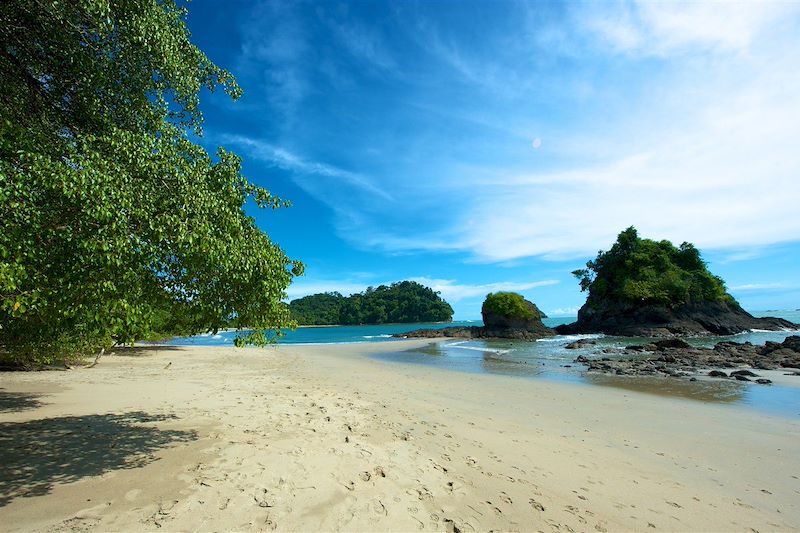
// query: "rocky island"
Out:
[506,315]
[642,287]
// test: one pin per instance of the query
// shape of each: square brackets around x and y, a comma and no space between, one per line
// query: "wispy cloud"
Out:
[274,52]
[364,44]
[564,311]
[453,291]
[667,28]
[763,287]
[304,287]
[286,160]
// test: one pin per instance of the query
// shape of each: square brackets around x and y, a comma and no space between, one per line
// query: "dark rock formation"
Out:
[479,332]
[495,327]
[710,318]
[683,361]
[580,343]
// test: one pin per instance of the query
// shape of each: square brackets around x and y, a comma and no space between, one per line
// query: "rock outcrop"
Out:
[678,360]
[642,287]
[709,318]
[525,326]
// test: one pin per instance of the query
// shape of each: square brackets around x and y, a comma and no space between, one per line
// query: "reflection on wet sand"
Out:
[493,363]
[701,390]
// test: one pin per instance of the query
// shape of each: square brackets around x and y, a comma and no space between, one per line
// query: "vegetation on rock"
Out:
[114,224]
[402,302]
[510,305]
[646,272]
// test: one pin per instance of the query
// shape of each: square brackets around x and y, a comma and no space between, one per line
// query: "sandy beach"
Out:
[325,438]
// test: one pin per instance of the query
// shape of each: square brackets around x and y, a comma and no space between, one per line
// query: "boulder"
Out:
[580,343]
[671,343]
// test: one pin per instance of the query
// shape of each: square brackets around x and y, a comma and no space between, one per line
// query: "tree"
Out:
[643,271]
[511,305]
[113,222]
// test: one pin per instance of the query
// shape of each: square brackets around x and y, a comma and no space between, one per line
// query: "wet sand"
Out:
[326,438]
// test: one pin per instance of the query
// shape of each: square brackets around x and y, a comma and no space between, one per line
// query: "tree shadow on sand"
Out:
[41,453]
[14,402]
[143,350]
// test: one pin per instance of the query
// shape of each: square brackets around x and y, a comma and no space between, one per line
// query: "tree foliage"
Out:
[402,302]
[508,304]
[643,271]
[114,223]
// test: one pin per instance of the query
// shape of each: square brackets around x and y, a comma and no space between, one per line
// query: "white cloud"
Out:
[274,51]
[284,159]
[304,287]
[363,43]
[758,287]
[564,311]
[452,291]
[664,28]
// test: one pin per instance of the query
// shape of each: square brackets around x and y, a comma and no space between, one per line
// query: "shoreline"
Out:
[299,437]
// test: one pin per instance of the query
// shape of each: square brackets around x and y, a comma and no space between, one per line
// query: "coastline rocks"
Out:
[478,332]
[580,343]
[496,326]
[682,361]
[709,318]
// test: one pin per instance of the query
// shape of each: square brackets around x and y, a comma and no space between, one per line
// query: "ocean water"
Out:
[549,359]
[322,334]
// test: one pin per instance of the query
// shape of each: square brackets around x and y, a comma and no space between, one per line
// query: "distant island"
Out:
[399,303]
[642,287]
[506,315]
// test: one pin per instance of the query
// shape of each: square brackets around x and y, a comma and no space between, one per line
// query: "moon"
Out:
[537,142]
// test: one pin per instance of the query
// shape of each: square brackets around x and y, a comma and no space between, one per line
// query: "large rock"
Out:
[710,318]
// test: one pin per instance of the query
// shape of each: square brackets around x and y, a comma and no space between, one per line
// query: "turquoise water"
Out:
[322,334]
[548,359]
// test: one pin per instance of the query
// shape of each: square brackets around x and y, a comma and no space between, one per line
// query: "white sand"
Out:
[323,438]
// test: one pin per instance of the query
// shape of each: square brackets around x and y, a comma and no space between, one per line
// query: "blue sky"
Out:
[483,146]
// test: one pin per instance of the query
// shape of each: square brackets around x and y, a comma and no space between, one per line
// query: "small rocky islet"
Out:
[506,315]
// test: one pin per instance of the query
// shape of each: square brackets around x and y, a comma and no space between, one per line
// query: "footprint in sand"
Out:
[365,476]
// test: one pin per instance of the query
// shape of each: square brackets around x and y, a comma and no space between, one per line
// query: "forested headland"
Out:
[402,302]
